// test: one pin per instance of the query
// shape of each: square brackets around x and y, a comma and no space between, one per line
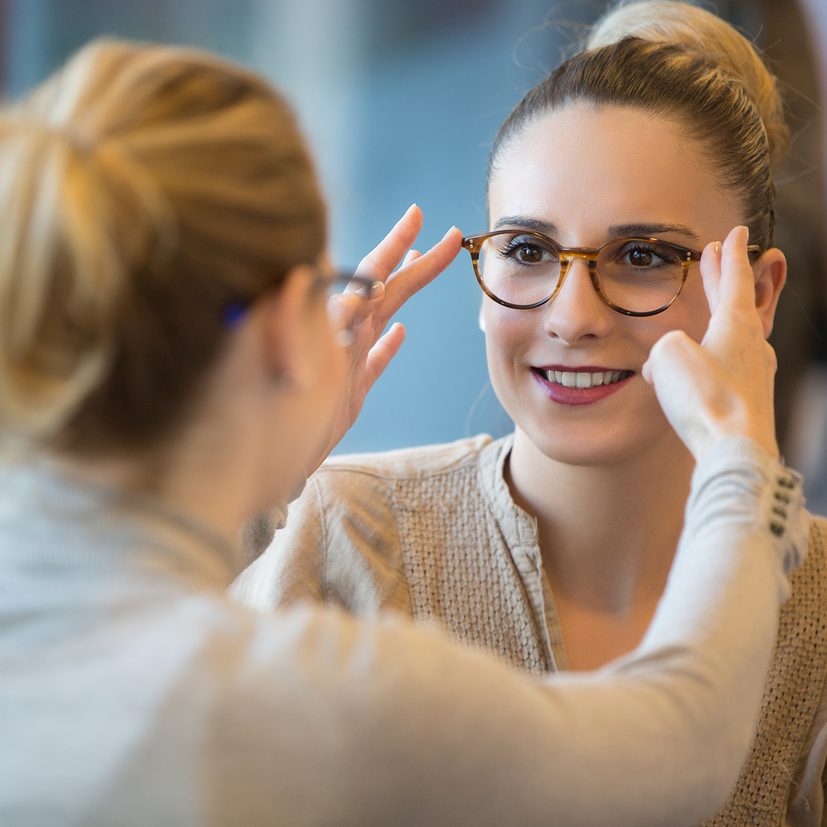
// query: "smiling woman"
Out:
[552,546]
[545,174]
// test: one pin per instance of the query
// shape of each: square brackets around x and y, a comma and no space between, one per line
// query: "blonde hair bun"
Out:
[676,22]
[144,189]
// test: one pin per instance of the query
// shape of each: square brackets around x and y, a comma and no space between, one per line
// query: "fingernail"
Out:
[453,228]
[717,246]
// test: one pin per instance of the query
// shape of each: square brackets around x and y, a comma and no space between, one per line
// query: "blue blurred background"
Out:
[400,101]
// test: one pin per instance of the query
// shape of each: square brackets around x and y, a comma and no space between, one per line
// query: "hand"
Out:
[370,352]
[724,386]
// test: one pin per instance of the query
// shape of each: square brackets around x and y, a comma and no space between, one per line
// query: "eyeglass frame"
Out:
[346,335]
[235,312]
[566,255]
[348,278]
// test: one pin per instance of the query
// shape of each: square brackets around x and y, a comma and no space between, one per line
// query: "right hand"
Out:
[724,386]
[403,272]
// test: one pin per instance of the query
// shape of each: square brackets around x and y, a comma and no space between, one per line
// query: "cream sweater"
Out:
[134,692]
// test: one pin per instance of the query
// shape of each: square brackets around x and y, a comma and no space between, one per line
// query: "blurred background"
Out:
[400,101]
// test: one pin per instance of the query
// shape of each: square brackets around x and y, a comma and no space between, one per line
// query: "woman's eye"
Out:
[648,256]
[529,254]
[641,258]
[525,252]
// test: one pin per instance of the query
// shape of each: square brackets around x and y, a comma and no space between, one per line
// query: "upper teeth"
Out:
[578,379]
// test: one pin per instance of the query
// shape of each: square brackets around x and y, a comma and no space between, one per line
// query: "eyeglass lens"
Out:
[638,275]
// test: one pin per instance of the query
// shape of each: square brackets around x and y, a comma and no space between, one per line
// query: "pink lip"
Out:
[577,368]
[577,396]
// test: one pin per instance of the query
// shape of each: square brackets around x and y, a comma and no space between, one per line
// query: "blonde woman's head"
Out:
[146,192]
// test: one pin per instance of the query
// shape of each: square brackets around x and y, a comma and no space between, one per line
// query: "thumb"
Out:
[673,358]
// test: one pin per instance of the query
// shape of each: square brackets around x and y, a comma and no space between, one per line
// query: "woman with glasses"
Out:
[168,368]
[552,547]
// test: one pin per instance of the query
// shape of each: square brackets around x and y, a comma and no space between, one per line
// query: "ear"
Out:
[284,319]
[770,276]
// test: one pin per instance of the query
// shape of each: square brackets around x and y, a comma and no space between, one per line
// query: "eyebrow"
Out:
[652,229]
[615,231]
[527,223]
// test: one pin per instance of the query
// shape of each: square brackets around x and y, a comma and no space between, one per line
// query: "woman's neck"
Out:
[607,533]
[193,473]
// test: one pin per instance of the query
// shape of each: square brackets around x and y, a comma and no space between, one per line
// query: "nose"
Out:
[577,312]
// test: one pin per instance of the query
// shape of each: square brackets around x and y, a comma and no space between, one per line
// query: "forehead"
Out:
[584,168]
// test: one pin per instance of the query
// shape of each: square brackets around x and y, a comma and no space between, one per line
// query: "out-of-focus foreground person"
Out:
[170,366]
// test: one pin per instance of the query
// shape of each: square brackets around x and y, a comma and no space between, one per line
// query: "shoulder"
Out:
[362,494]
[408,463]
[347,535]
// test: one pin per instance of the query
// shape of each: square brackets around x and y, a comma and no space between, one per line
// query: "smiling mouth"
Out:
[584,379]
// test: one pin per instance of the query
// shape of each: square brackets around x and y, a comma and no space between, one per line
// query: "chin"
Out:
[598,443]
[587,449]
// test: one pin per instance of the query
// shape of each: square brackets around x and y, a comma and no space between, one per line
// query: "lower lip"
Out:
[577,396]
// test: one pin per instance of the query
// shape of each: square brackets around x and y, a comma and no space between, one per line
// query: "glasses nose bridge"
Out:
[568,257]
[587,254]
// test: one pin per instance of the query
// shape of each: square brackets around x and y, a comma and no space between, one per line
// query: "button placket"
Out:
[782,496]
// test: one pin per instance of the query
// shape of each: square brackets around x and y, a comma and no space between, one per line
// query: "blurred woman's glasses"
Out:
[347,295]
[523,269]
[348,283]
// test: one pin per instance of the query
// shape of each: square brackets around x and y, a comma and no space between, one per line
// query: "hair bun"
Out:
[672,21]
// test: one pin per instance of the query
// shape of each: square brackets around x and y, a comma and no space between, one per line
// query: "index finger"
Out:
[421,271]
[379,263]
[736,288]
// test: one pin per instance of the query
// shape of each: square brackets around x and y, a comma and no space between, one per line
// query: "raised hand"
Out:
[724,386]
[369,351]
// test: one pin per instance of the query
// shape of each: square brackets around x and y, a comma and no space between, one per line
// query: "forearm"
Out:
[657,738]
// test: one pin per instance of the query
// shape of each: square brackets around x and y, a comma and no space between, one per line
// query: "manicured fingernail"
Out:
[453,229]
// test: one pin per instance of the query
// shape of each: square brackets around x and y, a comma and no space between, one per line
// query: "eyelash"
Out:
[520,241]
[643,247]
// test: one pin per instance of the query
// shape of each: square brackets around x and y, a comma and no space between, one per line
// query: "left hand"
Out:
[722,387]
[370,352]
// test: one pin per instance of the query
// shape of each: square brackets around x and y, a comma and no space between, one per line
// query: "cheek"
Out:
[507,332]
[690,313]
